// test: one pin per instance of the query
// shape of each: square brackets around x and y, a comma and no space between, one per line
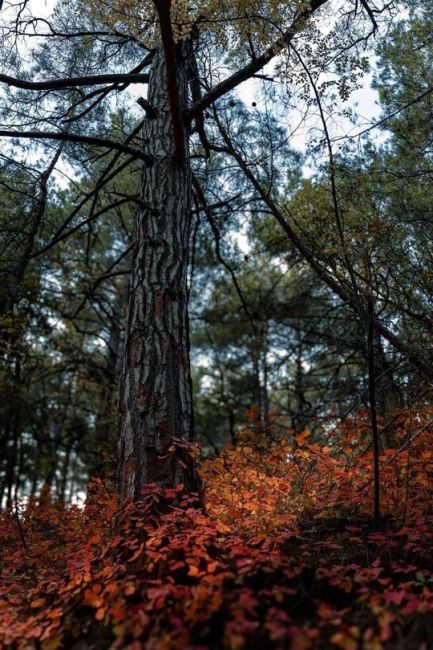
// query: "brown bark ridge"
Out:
[155,401]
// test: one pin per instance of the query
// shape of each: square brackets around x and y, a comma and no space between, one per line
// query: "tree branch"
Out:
[338,287]
[74,82]
[209,216]
[256,64]
[81,139]
[108,274]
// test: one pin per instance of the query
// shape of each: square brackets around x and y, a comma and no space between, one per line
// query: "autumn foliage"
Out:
[285,554]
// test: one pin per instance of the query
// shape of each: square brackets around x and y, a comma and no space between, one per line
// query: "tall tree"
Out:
[156,401]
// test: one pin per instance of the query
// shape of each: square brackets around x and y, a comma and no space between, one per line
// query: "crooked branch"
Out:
[74,82]
[81,139]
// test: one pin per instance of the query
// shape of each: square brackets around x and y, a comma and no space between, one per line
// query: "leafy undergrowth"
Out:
[285,556]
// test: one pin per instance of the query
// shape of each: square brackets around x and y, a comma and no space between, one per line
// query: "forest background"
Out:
[303,297]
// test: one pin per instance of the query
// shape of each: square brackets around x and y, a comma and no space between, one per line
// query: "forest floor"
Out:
[284,555]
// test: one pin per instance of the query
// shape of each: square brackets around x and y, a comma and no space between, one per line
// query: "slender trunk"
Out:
[106,422]
[33,487]
[45,496]
[73,483]
[20,478]
[299,418]
[10,439]
[13,432]
[10,473]
[389,396]
[257,393]
[64,475]
[155,390]
[232,431]
[373,411]
[266,422]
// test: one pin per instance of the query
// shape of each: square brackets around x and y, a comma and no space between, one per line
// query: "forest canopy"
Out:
[216,324]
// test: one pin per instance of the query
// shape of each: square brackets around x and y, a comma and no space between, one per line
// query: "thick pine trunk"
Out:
[155,390]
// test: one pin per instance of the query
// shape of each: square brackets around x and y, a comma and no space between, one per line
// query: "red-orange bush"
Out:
[284,556]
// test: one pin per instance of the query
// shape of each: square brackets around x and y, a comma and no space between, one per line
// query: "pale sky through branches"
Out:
[300,126]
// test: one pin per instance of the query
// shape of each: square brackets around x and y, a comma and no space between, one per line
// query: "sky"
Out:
[363,100]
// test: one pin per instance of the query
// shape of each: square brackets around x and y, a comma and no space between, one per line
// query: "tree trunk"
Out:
[156,389]
[102,464]
[64,474]
[299,420]
[389,398]
[265,391]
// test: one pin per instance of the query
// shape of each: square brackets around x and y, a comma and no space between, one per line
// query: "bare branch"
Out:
[74,82]
[81,139]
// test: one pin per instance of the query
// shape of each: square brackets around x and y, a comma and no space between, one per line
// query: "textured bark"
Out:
[155,392]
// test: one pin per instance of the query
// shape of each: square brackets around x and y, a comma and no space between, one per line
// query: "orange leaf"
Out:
[344,641]
[129,589]
[137,553]
[100,613]
[39,602]
[193,570]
